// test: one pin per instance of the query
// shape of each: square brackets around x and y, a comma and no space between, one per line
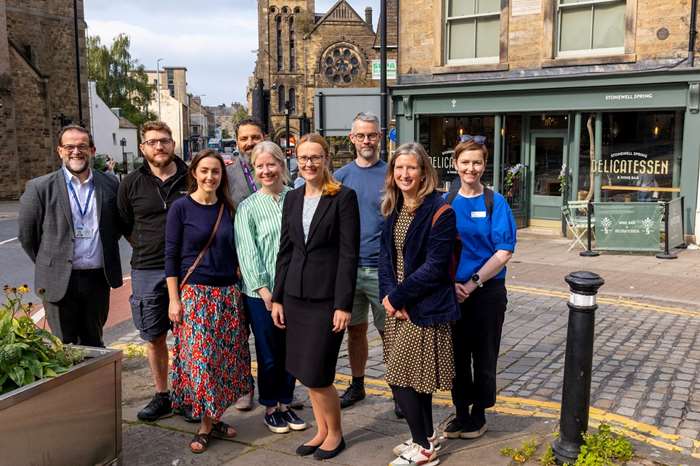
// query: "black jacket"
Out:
[325,267]
[143,203]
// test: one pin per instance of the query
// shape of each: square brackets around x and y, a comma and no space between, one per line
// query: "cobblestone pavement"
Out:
[645,366]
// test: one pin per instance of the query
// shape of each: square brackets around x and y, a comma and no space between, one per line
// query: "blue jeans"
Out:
[275,384]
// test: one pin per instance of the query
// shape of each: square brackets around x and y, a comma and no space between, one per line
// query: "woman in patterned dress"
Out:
[416,248]
[211,359]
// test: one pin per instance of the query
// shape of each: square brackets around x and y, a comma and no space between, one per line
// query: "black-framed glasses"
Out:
[314,159]
[154,142]
[477,139]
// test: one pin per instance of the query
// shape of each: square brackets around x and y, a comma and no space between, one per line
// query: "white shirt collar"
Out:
[71,178]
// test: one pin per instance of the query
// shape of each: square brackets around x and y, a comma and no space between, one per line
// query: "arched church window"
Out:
[278,30]
[292,45]
[280,99]
[341,65]
[292,100]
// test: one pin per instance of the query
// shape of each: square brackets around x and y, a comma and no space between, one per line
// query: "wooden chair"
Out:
[576,215]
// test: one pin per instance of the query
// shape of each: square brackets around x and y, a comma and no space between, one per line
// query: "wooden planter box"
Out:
[72,419]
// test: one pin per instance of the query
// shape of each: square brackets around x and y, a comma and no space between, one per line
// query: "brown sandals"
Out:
[219,430]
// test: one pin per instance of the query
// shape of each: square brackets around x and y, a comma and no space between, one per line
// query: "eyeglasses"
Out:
[314,159]
[154,142]
[370,136]
[71,147]
[476,139]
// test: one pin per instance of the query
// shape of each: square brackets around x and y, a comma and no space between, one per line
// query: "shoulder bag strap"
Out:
[439,212]
[204,249]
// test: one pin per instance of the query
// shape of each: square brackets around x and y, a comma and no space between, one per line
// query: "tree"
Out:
[120,80]
[239,113]
[225,134]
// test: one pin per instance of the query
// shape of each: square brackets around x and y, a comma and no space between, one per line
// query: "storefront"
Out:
[624,137]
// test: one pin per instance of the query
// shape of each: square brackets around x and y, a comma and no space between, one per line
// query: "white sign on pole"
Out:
[390,69]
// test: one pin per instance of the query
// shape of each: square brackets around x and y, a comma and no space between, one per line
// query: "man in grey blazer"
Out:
[69,227]
[241,175]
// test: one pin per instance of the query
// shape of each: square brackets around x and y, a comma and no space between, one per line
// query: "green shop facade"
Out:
[624,137]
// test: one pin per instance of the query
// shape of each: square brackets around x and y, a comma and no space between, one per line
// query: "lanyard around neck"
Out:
[248,176]
[82,210]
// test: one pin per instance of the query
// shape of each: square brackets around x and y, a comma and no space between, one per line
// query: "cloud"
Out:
[213,39]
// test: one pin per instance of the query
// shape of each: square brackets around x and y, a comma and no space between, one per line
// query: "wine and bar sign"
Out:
[628,226]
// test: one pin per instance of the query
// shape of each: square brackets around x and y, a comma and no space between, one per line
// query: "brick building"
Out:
[38,86]
[603,92]
[301,51]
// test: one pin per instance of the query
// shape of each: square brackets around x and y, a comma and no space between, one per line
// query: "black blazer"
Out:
[325,267]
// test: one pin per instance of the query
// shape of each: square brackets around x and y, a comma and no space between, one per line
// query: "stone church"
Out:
[39,89]
[301,51]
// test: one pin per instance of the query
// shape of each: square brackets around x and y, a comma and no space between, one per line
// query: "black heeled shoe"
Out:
[306,450]
[321,454]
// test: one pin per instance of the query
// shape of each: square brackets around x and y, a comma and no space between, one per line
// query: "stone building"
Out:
[595,100]
[171,103]
[301,51]
[38,86]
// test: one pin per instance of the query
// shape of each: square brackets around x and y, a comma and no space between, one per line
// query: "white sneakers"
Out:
[402,447]
[417,455]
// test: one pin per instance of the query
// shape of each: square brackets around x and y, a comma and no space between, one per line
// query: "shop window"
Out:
[549,121]
[472,31]
[440,135]
[590,27]
[640,158]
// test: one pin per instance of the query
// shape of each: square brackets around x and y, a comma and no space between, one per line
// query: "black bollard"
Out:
[576,394]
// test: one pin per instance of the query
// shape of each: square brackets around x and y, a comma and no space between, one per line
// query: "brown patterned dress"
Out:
[416,357]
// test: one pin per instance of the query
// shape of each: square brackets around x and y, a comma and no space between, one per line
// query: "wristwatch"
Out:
[476,279]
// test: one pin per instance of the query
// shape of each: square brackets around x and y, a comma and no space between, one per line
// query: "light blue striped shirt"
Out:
[258,226]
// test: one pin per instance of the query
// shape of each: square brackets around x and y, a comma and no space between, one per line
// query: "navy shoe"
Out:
[293,421]
[158,408]
[321,454]
[276,422]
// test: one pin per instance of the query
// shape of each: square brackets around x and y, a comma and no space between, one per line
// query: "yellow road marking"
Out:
[610,300]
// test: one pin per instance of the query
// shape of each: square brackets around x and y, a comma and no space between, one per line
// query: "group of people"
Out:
[221,249]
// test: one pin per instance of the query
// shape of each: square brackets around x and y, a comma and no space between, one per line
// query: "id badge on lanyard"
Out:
[80,229]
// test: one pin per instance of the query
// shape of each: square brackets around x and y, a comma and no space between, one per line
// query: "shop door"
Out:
[547,155]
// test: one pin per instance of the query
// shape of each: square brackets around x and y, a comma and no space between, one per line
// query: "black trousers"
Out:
[476,341]
[418,409]
[82,313]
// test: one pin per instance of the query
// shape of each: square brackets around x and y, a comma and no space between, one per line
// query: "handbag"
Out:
[457,246]
[204,249]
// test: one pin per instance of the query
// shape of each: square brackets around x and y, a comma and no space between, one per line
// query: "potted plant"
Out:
[59,404]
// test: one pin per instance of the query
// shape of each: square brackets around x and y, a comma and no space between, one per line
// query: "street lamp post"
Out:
[122,142]
[158,83]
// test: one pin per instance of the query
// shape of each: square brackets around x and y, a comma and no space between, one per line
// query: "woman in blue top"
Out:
[414,256]
[487,230]
[211,359]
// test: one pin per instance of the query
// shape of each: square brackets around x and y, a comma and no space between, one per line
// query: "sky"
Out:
[214,39]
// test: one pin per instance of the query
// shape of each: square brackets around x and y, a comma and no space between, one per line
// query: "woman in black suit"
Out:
[315,284]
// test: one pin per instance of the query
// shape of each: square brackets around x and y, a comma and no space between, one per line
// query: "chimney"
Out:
[368,17]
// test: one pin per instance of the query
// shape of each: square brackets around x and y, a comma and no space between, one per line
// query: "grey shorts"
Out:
[366,296]
[149,303]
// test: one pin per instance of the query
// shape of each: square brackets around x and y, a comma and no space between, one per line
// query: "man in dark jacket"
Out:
[69,228]
[144,198]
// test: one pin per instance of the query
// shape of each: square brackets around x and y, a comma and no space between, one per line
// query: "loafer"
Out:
[321,454]
[306,450]
[186,413]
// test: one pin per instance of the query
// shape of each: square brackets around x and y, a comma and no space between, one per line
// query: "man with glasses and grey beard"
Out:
[366,176]
[145,195]
[69,228]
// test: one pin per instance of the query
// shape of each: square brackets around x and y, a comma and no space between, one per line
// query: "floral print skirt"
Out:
[211,358]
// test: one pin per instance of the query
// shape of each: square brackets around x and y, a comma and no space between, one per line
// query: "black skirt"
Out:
[312,347]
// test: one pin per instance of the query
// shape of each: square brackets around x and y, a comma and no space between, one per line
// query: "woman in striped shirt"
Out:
[257,226]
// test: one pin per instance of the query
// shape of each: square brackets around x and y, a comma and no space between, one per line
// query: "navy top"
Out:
[368,183]
[187,230]
[482,235]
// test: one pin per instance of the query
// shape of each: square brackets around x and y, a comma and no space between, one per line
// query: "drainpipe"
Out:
[693,32]
[77,62]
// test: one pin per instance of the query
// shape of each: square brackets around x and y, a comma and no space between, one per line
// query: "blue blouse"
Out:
[482,235]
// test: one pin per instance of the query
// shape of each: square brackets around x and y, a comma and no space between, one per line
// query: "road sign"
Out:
[390,69]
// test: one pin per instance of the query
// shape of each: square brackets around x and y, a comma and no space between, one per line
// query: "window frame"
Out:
[592,4]
[292,44]
[446,36]
[278,43]
[292,99]
[281,98]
